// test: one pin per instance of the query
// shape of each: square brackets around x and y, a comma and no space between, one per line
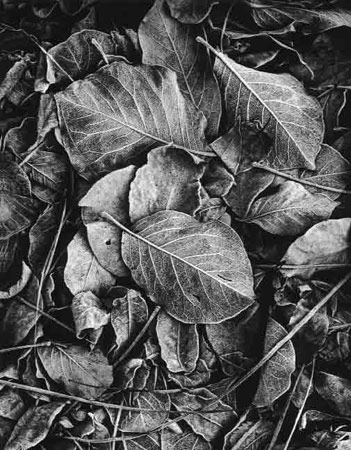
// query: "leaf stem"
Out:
[139,337]
[24,347]
[299,180]
[234,385]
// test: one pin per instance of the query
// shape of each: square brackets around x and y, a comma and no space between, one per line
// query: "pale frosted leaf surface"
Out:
[290,211]
[33,426]
[275,376]
[199,273]
[249,435]
[169,180]
[89,316]
[81,372]
[128,316]
[292,119]
[209,424]
[11,404]
[171,44]
[190,11]
[83,272]
[323,247]
[336,391]
[179,343]
[16,205]
[184,440]
[106,124]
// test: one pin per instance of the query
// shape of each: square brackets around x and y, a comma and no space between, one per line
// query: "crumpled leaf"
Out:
[169,180]
[81,372]
[168,43]
[146,421]
[78,56]
[190,11]
[325,246]
[179,343]
[105,113]
[20,284]
[17,211]
[290,211]
[207,425]
[291,118]
[249,435]
[83,271]
[336,391]
[199,273]
[33,426]
[217,180]
[235,341]
[275,377]
[89,316]
[184,440]
[128,316]
[205,368]
[11,404]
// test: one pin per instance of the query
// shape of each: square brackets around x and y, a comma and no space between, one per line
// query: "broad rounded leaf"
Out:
[168,43]
[106,114]
[199,273]
[33,426]
[249,435]
[179,343]
[336,391]
[290,211]
[83,271]
[325,246]
[186,440]
[290,117]
[81,372]
[169,180]
[275,377]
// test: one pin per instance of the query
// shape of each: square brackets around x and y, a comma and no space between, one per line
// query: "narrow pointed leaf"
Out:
[199,273]
[275,377]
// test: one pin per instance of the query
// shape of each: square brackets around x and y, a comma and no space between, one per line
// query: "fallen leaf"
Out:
[81,372]
[11,404]
[290,117]
[190,11]
[17,212]
[41,236]
[33,427]
[235,341]
[325,246]
[168,43]
[336,391]
[209,425]
[199,273]
[8,250]
[249,435]
[179,343]
[290,211]
[185,440]
[128,316]
[20,284]
[275,377]
[106,114]
[89,316]
[83,271]
[169,181]
[217,181]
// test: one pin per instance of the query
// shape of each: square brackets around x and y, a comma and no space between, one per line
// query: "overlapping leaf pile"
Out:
[175,226]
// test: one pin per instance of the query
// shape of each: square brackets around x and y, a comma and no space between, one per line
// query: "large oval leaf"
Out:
[106,114]
[171,44]
[199,273]
[291,118]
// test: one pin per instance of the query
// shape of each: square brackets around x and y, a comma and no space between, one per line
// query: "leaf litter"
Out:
[175,225]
